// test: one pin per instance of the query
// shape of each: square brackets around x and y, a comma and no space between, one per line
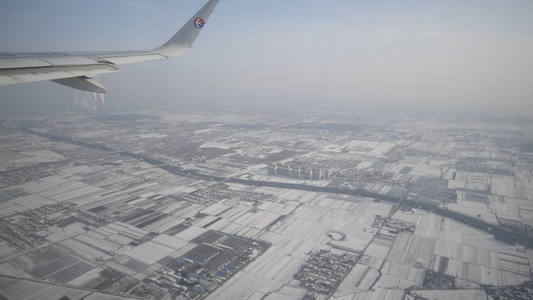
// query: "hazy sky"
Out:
[464,54]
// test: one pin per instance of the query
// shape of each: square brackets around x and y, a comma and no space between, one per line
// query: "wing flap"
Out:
[22,62]
[68,60]
[82,83]
[6,80]
[50,73]
[128,59]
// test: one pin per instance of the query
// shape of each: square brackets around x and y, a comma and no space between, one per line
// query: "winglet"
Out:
[185,37]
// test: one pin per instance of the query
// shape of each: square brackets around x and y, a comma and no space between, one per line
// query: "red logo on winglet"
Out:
[199,23]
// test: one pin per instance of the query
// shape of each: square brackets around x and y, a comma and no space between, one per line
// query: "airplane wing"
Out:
[76,70]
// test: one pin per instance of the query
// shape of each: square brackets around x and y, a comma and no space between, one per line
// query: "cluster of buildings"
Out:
[31,227]
[438,280]
[205,160]
[324,271]
[378,221]
[19,237]
[220,192]
[217,258]
[297,171]
[481,165]
[520,292]
[22,175]
[395,226]
[181,283]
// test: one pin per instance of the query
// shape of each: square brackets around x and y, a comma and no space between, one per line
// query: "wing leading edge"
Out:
[76,70]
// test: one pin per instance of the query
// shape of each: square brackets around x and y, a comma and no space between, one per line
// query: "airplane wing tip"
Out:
[182,40]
